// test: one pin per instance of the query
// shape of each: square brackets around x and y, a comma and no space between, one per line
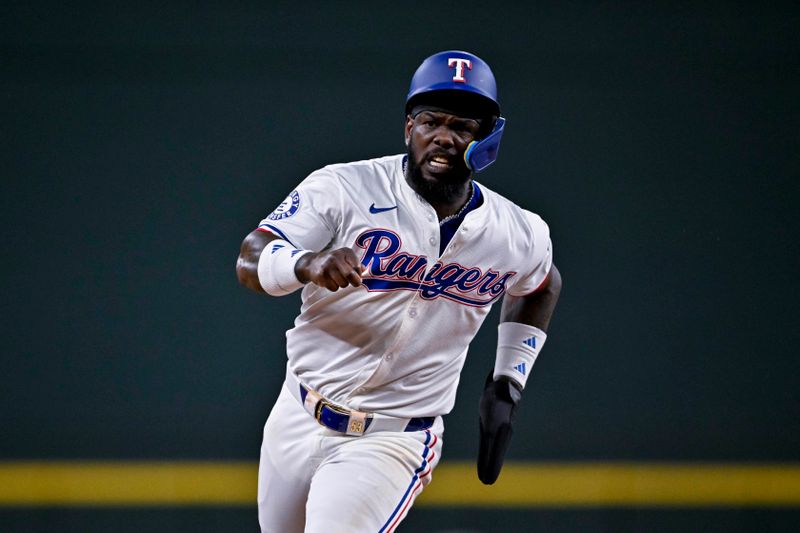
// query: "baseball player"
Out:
[400,259]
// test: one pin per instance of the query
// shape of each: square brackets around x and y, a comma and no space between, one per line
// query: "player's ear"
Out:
[409,124]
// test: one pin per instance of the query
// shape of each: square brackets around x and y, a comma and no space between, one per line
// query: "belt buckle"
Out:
[356,420]
[322,403]
[318,409]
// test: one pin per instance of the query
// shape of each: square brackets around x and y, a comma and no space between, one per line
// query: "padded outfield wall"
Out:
[141,144]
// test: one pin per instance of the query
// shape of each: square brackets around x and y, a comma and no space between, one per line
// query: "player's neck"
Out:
[451,206]
[454,209]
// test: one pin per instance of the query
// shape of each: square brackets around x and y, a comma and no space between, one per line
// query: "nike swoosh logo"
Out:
[375,210]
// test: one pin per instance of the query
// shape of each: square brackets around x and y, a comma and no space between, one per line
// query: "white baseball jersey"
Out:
[397,344]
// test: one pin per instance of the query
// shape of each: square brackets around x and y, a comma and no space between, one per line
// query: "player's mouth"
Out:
[440,163]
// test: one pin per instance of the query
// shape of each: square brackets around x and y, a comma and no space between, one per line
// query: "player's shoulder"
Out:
[510,212]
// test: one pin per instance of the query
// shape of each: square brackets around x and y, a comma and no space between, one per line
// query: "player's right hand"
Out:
[333,269]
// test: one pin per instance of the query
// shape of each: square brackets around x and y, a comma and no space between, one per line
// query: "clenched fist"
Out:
[334,269]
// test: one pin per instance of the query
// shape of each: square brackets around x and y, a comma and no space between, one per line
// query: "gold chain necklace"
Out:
[454,216]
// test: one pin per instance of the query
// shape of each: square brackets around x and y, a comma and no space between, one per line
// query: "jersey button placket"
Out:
[433,236]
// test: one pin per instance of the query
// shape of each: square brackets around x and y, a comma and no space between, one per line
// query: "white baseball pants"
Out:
[314,479]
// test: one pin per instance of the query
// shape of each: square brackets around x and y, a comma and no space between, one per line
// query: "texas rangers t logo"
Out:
[459,63]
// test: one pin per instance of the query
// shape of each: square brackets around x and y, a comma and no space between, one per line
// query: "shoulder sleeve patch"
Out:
[286,208]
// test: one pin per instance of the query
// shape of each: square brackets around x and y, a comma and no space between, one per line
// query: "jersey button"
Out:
[412,313]
[361,390]
[432,240]
[388,357]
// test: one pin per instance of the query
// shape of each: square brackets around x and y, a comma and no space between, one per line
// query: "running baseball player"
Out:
[400,259]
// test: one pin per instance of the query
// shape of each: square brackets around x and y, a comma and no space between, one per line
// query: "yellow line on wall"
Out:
[127,483]
[187,483]
[619,484]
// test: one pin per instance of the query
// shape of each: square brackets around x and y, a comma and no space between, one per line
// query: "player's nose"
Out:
[444,137]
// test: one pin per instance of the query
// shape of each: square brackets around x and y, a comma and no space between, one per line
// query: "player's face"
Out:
[436,146]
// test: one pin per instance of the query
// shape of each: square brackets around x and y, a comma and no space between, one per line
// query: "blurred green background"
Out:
[142,143]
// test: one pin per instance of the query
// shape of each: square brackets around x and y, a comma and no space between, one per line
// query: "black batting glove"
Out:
[499,403]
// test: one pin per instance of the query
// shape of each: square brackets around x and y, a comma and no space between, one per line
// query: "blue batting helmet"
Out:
[454,70]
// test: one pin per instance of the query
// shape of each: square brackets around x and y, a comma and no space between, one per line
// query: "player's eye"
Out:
[426,120]
[468,127]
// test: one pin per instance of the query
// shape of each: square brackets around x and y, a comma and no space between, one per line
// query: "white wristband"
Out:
[518,346]
[276,268]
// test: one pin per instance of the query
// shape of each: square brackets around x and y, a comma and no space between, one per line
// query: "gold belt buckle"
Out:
[356,419]
[322,403]
[318,409]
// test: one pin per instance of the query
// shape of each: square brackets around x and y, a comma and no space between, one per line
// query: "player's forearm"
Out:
[333,270]
[535,309]
[522,332]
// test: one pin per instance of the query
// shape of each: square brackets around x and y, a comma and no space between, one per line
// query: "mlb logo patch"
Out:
[520,368]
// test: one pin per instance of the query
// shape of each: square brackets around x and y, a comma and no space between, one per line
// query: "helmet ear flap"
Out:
[481,154]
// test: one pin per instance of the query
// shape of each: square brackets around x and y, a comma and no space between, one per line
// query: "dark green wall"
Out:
[140,145]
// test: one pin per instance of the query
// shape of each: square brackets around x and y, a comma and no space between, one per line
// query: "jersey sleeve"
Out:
[540,257]
[309,217]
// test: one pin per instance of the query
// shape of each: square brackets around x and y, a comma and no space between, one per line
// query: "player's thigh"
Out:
[369,483]
[291,437]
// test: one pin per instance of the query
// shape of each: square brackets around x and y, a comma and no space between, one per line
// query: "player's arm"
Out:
[269,264]
[535,309]
[523,326]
